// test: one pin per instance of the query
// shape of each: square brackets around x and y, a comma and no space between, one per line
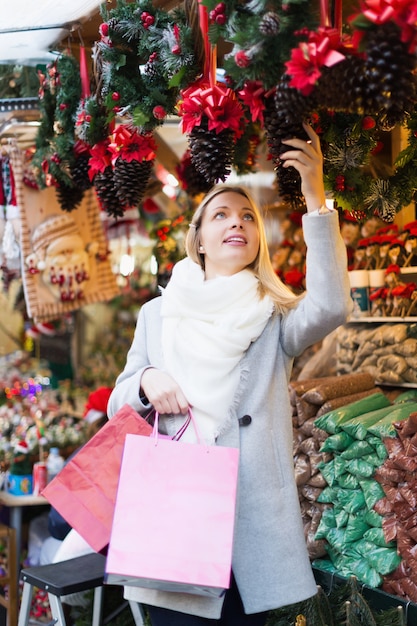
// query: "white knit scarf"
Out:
[207,326]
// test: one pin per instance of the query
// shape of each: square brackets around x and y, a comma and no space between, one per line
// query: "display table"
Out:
[15,504]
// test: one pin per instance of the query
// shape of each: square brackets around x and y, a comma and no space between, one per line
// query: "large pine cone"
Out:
[343,87]
[106,193]
[212,153]
[131,180]
[389,72]
[79,172]
[191,180]
[283,117]
[69,196]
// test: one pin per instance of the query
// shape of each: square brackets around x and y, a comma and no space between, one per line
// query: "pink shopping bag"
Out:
[84,491]
[174,516]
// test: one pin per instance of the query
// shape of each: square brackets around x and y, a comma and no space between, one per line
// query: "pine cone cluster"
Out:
[194,182]
[106,193]
[79,172]
[389,74]
[283,116]
[269,24]
[130,180]
[69,196]
[342,87]
[382,84]
[212,153]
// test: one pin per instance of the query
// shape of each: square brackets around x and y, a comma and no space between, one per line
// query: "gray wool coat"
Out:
[270,560]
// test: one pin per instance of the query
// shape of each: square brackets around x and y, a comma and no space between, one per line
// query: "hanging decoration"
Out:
[54,159]
[65,257]
[285,64]
[143,58]
[370,74]
[211,116]
[120,167]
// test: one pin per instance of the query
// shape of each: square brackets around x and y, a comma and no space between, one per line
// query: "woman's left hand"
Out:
[307,158]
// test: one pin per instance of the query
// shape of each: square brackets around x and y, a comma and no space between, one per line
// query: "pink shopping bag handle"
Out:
[179,434]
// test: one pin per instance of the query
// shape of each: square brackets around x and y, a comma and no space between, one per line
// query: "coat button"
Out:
[245,420]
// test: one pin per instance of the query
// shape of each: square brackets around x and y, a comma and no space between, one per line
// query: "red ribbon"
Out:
[85,82]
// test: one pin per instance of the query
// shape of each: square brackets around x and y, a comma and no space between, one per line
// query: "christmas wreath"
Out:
[55,160]
[374,76]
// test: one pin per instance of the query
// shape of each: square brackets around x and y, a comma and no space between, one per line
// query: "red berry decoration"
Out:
[104,29]
[340,182]
[63,106]
[368,122]
[115,96]
[221,19]
[242,59]
[159,112]
[176,49]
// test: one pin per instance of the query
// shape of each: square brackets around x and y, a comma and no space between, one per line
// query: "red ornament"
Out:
[340,182]
[176,49]
[242,59]
[115,96]
[379,146]
[159,112]
[368,122]
[104,29]
[63,106]
[147,19]
[221,19]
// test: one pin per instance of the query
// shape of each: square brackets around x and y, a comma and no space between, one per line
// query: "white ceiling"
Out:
[29,29]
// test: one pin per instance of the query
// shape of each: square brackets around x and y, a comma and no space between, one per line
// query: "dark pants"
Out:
[232,614]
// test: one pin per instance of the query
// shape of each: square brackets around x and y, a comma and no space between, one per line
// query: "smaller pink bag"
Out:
[84,491]
[174,516]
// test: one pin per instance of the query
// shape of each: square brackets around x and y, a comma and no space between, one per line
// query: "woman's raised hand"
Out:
[306,157]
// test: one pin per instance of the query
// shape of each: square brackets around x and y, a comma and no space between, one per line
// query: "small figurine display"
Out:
[20,474]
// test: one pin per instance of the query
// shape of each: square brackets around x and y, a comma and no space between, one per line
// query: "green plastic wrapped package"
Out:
[348,481]
[379,446]
[352,500]
[328,473]
[357,427]
[365,574]
[331,422]
[383,560]
[336,443]
[372,491]
[356,450]
[336,538]
[364,467]
[385,426]
[327,521]
[339,466]
[341,516]
[328,495]
[407,396]
[376,536]
[373,518]
[356,527]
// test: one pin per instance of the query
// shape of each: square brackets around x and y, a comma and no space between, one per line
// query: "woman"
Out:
[222,338]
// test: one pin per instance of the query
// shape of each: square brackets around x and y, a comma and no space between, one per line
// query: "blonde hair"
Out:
[269,283]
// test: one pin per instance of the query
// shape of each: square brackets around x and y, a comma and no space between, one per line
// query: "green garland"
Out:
[261,34]
[59,99]
[352,169]
[148,57]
